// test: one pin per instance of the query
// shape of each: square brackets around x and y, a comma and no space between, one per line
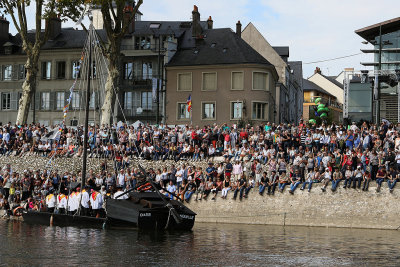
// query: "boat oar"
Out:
[172,210]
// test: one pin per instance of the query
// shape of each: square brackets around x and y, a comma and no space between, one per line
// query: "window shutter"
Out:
[52,100]
[14,101]
[3,68]
[137,71]
[135,100]
[82,103]
[21,71]
[15,70]
[37,100]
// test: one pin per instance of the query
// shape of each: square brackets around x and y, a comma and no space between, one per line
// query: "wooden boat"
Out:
[144,210]
[149,210]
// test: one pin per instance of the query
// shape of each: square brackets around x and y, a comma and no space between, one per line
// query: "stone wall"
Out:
[351,208]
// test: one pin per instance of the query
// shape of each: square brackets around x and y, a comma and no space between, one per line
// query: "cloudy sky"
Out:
[313,29]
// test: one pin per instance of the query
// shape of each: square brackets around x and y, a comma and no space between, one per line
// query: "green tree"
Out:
[117,16]
[33,42]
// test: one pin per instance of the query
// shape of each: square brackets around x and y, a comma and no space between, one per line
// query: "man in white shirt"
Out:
[171,189]
[50,202]
[119,193]
[96,201]
[62,203]
[121,179]
[71,203]
[85,199]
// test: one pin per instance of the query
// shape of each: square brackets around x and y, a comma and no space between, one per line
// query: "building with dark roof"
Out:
[228,81]
[58,59]
[146,47]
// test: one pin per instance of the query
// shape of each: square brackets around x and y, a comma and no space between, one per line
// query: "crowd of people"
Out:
[204,161]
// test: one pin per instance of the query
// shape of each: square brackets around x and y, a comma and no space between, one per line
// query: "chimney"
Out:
[196,27]
[317,70]
[210,23]
[128,10]
[4,28]
[239,29]
[54,24]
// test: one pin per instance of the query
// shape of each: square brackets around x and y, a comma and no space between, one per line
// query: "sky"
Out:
[314,30]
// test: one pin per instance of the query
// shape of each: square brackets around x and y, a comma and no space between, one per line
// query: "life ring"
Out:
[17,211]
[144,187]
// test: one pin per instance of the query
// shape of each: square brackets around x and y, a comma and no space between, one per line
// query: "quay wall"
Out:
[350,208]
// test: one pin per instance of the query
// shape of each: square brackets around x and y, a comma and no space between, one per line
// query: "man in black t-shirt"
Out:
[240,188]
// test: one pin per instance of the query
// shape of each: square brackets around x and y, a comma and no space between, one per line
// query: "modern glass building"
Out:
[363,94]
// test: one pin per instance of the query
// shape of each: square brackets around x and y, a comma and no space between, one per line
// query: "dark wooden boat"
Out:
[144,210]
[149,210]
[62,220]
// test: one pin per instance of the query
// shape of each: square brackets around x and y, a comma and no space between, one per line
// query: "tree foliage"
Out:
[33,42]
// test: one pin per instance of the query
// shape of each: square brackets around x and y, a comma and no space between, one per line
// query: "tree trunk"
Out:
[28,89]
[110,91]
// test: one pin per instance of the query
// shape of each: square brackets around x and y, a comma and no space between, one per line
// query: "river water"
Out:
[206,245]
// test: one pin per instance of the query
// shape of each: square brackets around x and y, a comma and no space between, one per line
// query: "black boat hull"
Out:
[150,214]
[62,220]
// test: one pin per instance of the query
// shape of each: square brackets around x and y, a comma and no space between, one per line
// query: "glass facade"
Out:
[389,55]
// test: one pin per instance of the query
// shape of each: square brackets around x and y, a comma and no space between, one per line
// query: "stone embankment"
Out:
[352,208]
[19,164]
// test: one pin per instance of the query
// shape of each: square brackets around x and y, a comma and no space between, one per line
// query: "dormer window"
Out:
[155,25]
[8,50]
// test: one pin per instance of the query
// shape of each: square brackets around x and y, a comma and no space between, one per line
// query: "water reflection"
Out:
[206,245]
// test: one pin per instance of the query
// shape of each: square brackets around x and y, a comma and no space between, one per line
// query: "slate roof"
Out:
[218,47]
[69,38]
[333,80]
[166,27]
[282,51]
[310,86]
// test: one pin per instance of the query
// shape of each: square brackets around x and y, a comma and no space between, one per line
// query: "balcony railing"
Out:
[134,112]
[145,47]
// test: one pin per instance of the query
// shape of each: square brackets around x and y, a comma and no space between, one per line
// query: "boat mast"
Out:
[86,132]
